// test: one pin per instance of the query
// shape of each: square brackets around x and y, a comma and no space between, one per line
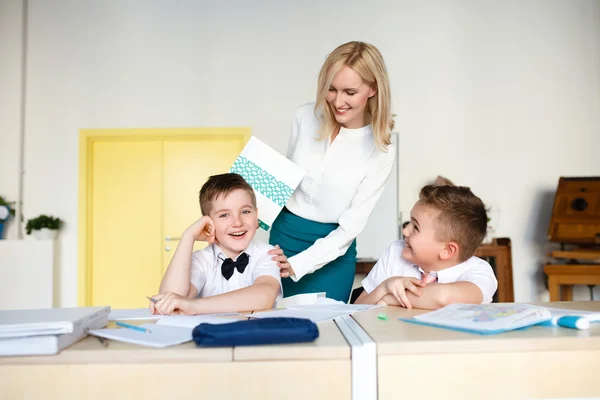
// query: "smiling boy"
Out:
[234,272]
[434,266]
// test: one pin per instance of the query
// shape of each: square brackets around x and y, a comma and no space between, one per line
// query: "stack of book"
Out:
[47,331]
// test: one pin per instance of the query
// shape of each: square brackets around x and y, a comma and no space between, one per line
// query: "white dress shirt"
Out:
[474,270]
[206,274]
[343,182]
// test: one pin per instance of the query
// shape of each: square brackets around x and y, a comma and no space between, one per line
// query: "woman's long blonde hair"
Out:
[367,61]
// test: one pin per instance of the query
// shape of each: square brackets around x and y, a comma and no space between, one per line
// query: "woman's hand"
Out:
[282,262]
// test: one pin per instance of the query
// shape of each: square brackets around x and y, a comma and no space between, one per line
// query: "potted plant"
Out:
[6,211]
[43,226]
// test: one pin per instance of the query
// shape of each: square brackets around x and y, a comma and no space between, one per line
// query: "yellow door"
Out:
[137,197]
[126,222]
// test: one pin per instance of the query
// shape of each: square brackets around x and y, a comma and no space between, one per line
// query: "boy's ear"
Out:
[450,250]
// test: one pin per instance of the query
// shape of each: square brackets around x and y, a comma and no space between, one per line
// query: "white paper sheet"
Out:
[132,314]
[191,321]
[316,312]
[299,299]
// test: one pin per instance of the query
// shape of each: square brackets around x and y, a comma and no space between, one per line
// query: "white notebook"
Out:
[49,344]
[48,321]
[168,331]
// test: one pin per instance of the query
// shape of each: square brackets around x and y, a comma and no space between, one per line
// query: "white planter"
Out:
[45,234]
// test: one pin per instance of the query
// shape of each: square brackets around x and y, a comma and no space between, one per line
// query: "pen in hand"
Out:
[134,327]
[152,299]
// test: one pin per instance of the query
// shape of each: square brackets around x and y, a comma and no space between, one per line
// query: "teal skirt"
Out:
[295,234]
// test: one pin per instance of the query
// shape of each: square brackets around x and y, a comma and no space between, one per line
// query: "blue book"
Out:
[484,319]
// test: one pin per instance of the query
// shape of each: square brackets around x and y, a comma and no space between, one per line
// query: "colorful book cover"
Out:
[484,318]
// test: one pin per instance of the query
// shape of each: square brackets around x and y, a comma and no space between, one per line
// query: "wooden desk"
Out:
[87,370]
[498,254]
[422,362]
[564,276]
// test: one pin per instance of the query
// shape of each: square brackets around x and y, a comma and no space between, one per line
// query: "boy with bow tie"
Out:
[234,272]
[434,265]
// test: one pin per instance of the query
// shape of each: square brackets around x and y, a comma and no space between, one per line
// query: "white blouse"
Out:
[344,180]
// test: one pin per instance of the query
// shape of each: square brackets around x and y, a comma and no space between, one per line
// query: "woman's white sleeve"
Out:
[293,136]
[351,222]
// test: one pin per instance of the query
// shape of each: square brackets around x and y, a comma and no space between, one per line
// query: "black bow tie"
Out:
[229,265]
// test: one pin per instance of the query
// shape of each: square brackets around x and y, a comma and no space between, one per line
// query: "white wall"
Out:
[498,95]
[10,102]
[27,274]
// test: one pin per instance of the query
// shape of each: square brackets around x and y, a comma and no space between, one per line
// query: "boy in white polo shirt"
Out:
[434,265]
[234,273]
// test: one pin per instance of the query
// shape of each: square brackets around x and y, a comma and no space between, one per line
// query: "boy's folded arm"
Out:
[437,295]
[372,298]
[259,296]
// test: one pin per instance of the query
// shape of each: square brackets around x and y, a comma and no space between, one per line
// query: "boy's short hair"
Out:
[222,184]
[462,218]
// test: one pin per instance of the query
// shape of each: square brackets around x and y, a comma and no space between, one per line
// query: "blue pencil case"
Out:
[255,332]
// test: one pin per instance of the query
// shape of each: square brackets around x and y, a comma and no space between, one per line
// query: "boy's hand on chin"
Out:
[202,230]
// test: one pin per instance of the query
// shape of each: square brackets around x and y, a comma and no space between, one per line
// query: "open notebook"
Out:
[168,331]
[484,319]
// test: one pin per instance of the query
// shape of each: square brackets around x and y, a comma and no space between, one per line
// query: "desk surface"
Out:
[538,362]
[395,337]
[89,370]
[330,345]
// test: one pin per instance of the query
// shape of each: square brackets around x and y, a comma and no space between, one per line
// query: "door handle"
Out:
[171,238]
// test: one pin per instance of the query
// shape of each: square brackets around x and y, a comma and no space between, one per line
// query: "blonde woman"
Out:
[343,142]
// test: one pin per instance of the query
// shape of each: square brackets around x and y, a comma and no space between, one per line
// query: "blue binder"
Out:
[256,332]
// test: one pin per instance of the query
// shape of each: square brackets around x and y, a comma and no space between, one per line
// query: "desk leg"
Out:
[567,292]
[554,288]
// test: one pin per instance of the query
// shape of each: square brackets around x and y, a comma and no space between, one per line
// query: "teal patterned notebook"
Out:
[272,176]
